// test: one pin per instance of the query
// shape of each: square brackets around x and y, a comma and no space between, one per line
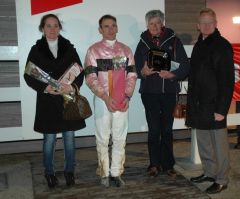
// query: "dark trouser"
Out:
[214,153]
[159,114]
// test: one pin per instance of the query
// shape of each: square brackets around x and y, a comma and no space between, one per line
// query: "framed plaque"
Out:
[159,60]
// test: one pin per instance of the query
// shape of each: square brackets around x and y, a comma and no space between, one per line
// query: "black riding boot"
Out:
[51,180]
[70,180]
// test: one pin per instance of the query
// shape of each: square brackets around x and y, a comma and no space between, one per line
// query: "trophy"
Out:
[159,60]
[37,73]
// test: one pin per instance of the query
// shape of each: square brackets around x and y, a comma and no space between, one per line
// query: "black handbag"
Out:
[78,108]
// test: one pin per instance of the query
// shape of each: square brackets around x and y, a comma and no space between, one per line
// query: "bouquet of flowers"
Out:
[68,77]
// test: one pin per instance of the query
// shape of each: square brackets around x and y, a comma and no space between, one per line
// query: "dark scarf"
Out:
[156,39]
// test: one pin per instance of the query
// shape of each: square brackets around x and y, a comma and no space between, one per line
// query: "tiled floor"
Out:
[138,184]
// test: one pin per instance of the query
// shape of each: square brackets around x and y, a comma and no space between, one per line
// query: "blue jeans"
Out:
[49,142]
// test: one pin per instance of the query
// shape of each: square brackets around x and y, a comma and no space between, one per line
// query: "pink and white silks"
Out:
[101,79]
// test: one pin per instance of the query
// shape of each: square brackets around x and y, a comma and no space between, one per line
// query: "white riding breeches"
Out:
[114,124]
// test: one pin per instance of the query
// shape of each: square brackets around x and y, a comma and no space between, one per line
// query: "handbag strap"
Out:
[76,89]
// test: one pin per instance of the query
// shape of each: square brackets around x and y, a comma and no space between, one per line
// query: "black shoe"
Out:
[69,177]
[202,178]
[51,180]
[117,181]
[237,146]
[215,188]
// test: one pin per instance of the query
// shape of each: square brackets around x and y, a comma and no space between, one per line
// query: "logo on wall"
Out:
[39,6]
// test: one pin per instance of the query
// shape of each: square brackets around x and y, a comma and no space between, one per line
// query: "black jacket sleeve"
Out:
[224,66]
[140,59]
[36,85]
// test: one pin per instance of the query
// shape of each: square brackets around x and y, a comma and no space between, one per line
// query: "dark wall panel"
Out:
[181,16]
[10,114]
[9,74]
[8,25]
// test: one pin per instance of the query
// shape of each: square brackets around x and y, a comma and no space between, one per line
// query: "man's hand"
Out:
[110,103]
[126,105]
[218,117]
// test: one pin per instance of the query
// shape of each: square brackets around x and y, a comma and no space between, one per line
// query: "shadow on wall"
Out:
[129,30]
[186,38]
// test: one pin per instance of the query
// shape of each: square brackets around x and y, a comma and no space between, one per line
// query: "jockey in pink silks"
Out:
[111,75]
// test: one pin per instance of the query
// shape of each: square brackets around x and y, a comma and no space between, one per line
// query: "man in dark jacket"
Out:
[210,89]
[159,89]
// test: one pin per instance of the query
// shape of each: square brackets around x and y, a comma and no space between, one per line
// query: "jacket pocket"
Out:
[206,114]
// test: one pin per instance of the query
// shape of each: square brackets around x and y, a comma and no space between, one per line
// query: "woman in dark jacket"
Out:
[159,89]
[54,54]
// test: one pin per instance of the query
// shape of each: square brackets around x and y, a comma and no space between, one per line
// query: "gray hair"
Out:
[154,13]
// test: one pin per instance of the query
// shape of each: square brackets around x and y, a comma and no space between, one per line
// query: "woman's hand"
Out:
[66,88]
[51,90]
[166,74]
[146,71]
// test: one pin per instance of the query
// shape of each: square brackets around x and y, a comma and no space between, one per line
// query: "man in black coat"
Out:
[210,89]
